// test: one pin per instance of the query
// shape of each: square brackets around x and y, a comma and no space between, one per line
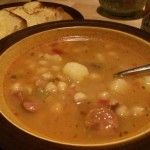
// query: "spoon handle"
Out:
[140,69]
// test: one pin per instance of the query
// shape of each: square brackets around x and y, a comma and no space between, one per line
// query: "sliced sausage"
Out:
[102,119]
[30,106]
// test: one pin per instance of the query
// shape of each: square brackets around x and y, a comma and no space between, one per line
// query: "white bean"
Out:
[79,97]
[56,57]
[122,111]
[75,71]
[62,86]
[119,85]
[47,56]
[47,76]
[137,111]
[16,87]
[51,87]
[114,102]
[61,77]
[43,62]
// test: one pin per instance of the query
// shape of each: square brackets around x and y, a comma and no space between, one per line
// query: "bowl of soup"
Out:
[57,83]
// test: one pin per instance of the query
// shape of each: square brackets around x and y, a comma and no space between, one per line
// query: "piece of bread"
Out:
[35,13]
[16,18]
[32,7]
[10,23]
[35,6]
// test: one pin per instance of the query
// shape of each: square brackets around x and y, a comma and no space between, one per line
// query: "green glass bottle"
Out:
[122,7]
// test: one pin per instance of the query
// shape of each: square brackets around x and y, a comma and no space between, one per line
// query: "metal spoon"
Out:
[140,69]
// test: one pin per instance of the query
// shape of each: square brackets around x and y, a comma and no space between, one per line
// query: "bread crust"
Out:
[10,23]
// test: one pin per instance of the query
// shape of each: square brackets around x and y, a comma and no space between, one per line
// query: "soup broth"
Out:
[66,91]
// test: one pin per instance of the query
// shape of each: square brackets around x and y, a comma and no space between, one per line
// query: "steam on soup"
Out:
[65,90]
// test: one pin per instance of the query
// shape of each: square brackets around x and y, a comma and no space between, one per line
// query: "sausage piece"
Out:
[30,106]
[102,119]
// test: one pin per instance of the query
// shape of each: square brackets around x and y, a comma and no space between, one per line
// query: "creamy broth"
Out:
[66,90]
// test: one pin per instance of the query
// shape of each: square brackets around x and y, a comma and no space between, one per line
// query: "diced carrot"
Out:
[104,102]
[57,51]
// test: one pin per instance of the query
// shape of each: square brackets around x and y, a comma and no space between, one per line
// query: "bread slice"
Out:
[35,13]
[32,7]
[10,23]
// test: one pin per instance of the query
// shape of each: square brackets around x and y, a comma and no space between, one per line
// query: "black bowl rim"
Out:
[18,36]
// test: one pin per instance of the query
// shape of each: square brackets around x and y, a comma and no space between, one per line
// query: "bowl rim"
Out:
[18,36]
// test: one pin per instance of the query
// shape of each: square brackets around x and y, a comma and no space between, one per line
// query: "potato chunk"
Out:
[75,71]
